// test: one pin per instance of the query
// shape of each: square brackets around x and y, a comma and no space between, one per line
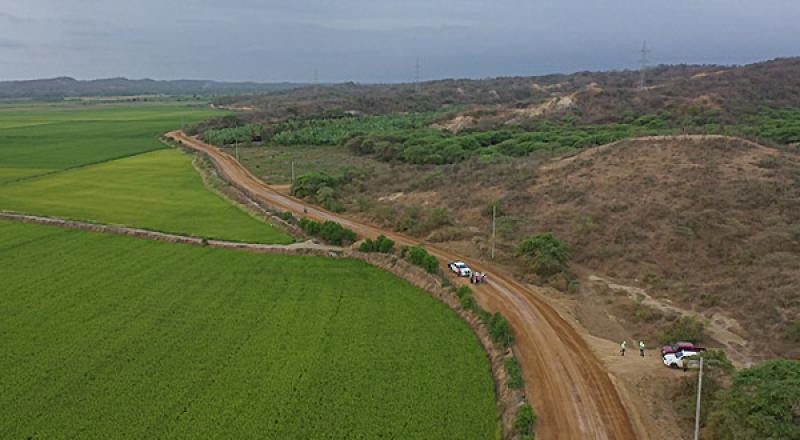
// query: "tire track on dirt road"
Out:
[567,384]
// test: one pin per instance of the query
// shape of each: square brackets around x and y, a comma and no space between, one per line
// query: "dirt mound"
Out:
[711,224]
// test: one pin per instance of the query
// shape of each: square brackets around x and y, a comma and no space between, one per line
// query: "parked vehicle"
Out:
[460,268]
[677,359]
[678,346]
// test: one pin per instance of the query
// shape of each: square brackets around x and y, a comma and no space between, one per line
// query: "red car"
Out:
[679,346]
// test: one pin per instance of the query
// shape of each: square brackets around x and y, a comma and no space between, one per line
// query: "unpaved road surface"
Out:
[568,385]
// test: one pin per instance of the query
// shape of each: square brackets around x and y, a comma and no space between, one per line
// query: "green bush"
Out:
[310,184]
[418,256]
[515,380]
[330,231]
[500,330]
[546,253]
[525,421]
[382,244]
[288,217]
[762,403]
[687,328]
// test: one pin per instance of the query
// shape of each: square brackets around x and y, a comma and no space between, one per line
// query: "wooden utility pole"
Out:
[292,172]
[697,410]
[494,227]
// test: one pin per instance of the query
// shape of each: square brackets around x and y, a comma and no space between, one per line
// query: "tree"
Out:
[547,254]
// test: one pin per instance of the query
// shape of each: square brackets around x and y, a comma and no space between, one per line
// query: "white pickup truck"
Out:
[460,268]
[677,359]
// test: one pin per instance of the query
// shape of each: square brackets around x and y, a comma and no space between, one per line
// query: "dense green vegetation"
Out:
[406,137]
[124,338]
[382,244]
[762,402]
[325,130]
[515,380]
[546,254]
[419,256]
[525,422]
[329,231]
[158,190]
[323,188]
[41,139]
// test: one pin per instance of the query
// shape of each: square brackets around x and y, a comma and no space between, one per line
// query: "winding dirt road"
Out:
[567,384]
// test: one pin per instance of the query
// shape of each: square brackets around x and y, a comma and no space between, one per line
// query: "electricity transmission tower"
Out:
[643,65]
[316,76]
[417,75]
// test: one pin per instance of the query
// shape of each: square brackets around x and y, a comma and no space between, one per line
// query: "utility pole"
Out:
[697,410]
[494,227]
[643,65]
[236,141]
[292,172]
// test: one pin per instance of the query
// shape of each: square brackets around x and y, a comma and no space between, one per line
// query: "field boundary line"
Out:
[306,248]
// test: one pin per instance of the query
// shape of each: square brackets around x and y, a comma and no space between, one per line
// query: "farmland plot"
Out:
[106,336]
[44,139]
[98,164]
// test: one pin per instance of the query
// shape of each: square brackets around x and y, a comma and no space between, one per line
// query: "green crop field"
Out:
[112,337]
[158,190]
[68,166]
[42,139]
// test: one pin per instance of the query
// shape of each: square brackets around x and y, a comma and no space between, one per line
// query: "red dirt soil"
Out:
[568,385]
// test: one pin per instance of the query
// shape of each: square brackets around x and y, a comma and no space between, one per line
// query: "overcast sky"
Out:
[379,40]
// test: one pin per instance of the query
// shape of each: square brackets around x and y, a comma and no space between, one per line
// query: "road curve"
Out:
[568,385]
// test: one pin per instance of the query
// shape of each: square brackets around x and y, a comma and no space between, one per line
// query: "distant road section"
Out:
[567,384]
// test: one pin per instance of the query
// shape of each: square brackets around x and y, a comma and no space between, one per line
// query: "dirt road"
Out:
[567,384]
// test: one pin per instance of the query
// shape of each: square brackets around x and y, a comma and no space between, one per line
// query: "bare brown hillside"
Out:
[704,225]
[712,224]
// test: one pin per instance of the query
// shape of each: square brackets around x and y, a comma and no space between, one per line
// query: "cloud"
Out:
[379,40]
[11,44]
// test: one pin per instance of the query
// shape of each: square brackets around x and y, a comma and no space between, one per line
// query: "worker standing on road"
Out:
[641,348]
[622,348]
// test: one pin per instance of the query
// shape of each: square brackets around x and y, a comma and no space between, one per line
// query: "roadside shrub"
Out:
[500,330]
[335,233]
[515,380]
[310,227]
[287,217]
[687,328]
[418,256]
[381,244]
[330,231]
[464,294]
[525,422]
[546,253]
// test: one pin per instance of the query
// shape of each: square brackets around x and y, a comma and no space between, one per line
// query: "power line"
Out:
[643,61]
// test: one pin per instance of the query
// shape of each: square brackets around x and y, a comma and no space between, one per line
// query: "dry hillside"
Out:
[709,225]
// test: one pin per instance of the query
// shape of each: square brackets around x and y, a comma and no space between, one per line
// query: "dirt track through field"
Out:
[568,385]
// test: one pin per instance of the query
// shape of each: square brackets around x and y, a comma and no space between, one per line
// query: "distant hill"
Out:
[64,87]
[725,92]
